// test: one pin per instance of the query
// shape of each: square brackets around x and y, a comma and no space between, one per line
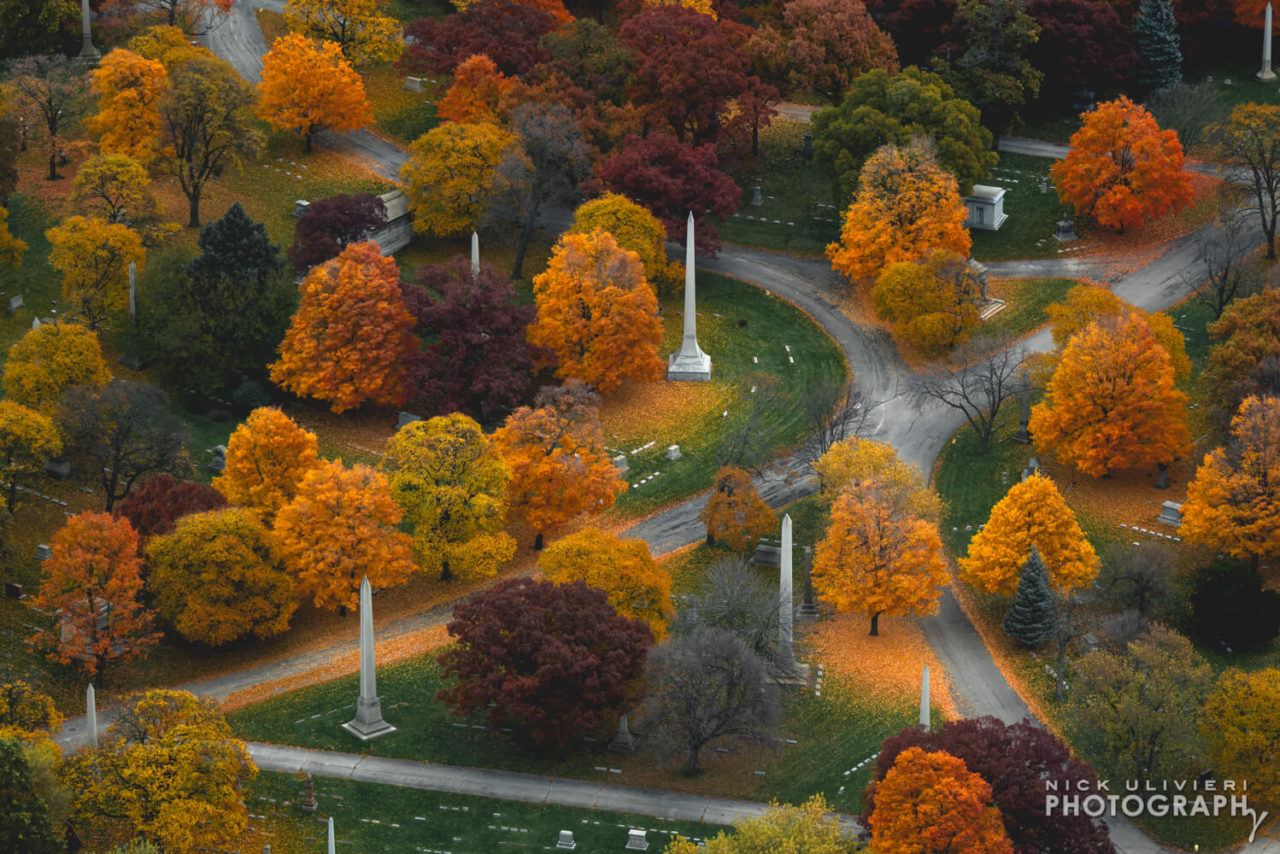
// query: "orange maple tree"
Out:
[1111,403]
[597,314]
[1033,513]
[267,457]
[129,88]
[1122,170]
[557,459]
[1088,302]
[906,206]
[931,803]
[309,85]
[878,559]
[351,338]
[735,514]
[1233,503]
[93,585]
[479,93]
[340,527]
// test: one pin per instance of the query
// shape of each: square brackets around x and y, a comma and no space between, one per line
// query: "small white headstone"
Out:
[621,464]
[413,84]
[673,452]
[636,840]
[565,841]
[15,303]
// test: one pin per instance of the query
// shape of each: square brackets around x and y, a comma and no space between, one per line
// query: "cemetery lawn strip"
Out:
[377,817]
[801,212]
[737,323]
[34,280]
[1033,215]
[1026,301]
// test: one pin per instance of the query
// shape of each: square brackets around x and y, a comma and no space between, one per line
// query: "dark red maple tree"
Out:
[672,178]
[475,359]
[508,33]
[1016,760]
[328,225]
[555,662]
[155,505]
[1083,45]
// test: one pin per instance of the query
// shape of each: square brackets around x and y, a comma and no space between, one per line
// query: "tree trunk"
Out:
[1271,243]
[526,234]
[875,624]
[755,136]
[446,574]
[306,140]
[537,542]
[711,540]
[53,163]
[193,221]
[692,767]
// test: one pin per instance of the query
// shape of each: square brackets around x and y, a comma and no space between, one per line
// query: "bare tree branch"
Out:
[977,388]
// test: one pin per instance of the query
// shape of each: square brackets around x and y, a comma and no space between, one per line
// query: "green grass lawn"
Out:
[1028,233]
[35,281]
[747,333]
[801,209]
[1026,301]
[371,817]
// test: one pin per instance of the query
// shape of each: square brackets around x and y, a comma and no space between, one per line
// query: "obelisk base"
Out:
[368,723]
[795,673]
[689,367]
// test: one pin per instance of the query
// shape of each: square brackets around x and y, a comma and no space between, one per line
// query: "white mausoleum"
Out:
[986,207]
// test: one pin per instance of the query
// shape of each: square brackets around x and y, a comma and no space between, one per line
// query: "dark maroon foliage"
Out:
[1016,760]
[553,661]
[508,33]
[330,224]
[475,359]
[672,178]
[686,69]
[1083,45]
[155,505]
[917,26]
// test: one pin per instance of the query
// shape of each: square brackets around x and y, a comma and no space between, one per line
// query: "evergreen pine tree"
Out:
[1155,35]
[1031,619]
[24,816]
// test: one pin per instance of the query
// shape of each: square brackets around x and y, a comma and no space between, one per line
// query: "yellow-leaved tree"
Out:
[27,439]
[1233,503]
[851,461]
[216,577]
[1241,723]
[267,458]
[812,827]
[168,770]
[50,359]
[450,175]
[735,514]
[623,568]
[555,453]
[307,86]
[351,338]
[93,256]
[597,315]
[339,528]
[358,26]
[635,228]
[1033,513]
[451,482]
[1087,303]
[906,206]
[932,303]
[877,559]
[11,248]
[117,184]
[129,88]
[1112,403]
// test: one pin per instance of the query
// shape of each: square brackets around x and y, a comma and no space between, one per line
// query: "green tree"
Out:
[1031,619]
[1155,36]
[987,61]
[217,322]
[25,824]
[882,108]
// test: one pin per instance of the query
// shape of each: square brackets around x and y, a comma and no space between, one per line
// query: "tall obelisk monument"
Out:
[690,363]
[368,722]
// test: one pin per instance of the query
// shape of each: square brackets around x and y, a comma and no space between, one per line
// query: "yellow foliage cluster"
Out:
[46,361]
[93,256]
[811,828]
[11,248]
[635,228]
[307,86]
[1033,513]
[360,29]
[1088,303]
[450,175]
[932,303]
[853,460]
[1241,723]
[735,513]
[636,585]
[267,457]
[27,439]
[129,88]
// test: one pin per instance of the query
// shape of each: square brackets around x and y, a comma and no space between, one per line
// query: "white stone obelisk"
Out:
[786,637]
[368,722]
[91,715]
[133,291]
[332,842]
[690,363]
[1266,73]
[475,254]
[89,53]
[924,700]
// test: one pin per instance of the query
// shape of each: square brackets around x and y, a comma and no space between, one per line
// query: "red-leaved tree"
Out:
[329,225]
[478,361]
[156,504]
[672,178]
[553,661]
[508,33]
[1016,760]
